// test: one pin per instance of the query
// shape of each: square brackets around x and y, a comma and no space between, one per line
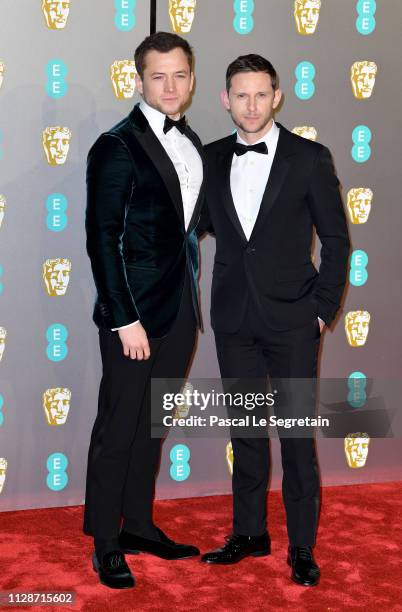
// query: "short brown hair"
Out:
[163,42]
[251,63]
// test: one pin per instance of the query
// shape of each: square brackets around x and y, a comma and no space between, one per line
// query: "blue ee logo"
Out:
[56,335]
[357,389]
[57,477]
[365,22]
[243,22]
[56,86]
[1,410]
[304,87]
[358,263]
[180,468]
[56,206]
[124,18]
[361,150]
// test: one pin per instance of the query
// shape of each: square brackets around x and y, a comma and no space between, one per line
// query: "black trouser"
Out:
[254,352]
[123,458]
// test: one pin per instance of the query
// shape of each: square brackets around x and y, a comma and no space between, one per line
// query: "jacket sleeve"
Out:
[330,222]
[109,187]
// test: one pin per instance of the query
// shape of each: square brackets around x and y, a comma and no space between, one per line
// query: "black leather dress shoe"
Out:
[305,570]
[113,570]
[238,547]
[165,548]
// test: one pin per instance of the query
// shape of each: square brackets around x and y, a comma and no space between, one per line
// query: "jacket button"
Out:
[250,250]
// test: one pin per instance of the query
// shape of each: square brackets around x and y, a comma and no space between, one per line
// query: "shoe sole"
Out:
[259,553]
[130,551]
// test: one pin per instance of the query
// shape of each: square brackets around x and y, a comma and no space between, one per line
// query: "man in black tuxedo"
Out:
[144,191]
[267,189]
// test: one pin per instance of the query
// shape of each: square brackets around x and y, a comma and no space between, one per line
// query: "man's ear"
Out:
[277,98]
[138,84]
[225,99]
[191,81]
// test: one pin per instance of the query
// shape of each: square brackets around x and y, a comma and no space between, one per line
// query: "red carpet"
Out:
[359,550]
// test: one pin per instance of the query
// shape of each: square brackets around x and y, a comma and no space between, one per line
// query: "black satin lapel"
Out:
[224,172]
[274,185]
[164,166]
[197,144]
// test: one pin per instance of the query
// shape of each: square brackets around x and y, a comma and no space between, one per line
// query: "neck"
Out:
[253,137]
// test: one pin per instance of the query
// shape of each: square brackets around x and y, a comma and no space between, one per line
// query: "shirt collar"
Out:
[269,137]
[155,118]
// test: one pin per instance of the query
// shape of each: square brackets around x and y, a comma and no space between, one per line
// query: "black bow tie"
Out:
[260,147]
[180,124]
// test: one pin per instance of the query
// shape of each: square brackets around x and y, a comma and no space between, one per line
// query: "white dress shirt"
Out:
[185,158]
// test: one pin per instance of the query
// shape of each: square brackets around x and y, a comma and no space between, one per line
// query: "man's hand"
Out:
[135,342]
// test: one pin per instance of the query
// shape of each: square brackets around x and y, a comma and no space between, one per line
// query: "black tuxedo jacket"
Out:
[274,267]
[136,239]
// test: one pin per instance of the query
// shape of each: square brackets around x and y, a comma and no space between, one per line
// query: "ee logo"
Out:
[56,205]
[358,274]
[57,477]
[1,410]
[243,22]
[180,468]
[56,86]
[365,22]
[304,87]
[357,389]
[56,335]
[124,19]
[361,150]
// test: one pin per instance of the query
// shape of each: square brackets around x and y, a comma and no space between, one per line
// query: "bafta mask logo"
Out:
[2,68]
[2,208]
[56,404]
[181,411]
[56,274]
[122,73]
[181,13]
[306,131]
[229,457]
[56,143]
[362,77]
[359,201]
[357,325]
[56,13]
[3,335]
[356,449]
[307,13]
[3,470]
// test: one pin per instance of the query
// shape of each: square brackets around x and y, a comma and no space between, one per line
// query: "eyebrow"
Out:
[184,71]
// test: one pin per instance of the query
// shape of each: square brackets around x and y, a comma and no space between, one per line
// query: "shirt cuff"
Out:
[124,326]
[319,318]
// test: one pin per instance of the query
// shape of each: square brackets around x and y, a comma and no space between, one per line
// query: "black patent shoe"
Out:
[165,548]
[113,570]
[238,547]
[305,570]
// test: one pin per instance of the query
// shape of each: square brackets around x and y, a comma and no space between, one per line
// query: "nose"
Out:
[251,104]
[170,84]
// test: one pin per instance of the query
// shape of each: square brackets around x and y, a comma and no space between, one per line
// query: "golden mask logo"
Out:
[56,143]
[3,471]
[362,77]
[356,449]
[2,68]
[306,131]
[181,411]
[56,13]
[122,73]
[229,457]
[359,201]
[307,14]
[2,208]
[3,335]
[181,13]
[56,404]
[56,274]
[357,324]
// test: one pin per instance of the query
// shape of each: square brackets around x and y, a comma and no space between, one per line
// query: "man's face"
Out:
[181,14]
[363,79]
[57,407]
[167,81]
[56,13]
[251,101]
[123,79]
[357,451]
[56,147]
[359,206]
[306,16]
[57,277]
[357,328]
